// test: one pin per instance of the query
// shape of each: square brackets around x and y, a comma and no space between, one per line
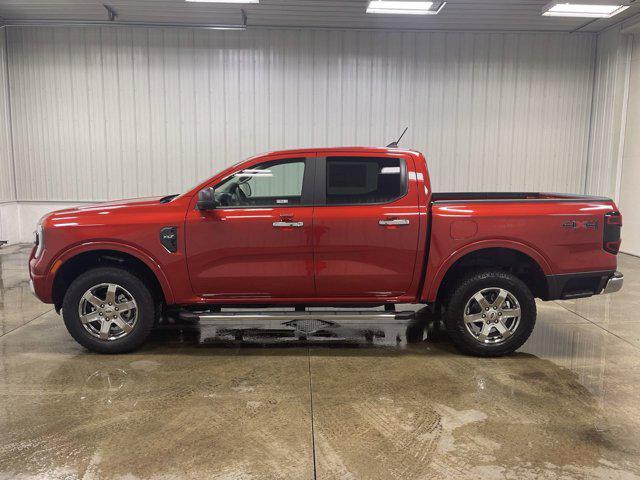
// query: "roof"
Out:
[337,150]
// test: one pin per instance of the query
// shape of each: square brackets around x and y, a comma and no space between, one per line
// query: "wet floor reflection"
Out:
[17,305]
[197,408]
[397,333]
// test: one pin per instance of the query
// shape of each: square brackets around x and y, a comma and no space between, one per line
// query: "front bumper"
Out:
[40,285]
[41,288]
[614,283]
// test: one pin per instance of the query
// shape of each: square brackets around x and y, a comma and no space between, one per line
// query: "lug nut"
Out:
[116,309]
[483,315]
[499,313]
[102,306]
[100,313]
[110,303]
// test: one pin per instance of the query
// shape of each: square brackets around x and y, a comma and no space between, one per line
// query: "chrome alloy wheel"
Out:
[108,311]
[492,315]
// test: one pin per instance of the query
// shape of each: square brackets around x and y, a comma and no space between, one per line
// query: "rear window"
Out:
[364,180]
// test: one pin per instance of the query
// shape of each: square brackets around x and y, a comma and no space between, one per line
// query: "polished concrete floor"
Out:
[192,404]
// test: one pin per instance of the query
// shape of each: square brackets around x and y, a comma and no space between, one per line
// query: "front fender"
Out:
[141,255]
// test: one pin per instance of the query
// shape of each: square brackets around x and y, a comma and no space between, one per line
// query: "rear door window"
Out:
[364,180]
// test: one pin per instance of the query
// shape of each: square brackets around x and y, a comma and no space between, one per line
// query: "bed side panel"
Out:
[563,237]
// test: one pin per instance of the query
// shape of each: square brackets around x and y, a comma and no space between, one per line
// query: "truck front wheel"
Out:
[490,313]
[108,310]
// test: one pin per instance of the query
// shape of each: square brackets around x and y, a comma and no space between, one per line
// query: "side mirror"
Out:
[206,200]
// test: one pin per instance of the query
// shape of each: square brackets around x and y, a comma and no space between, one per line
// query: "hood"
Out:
[108,206]
[91,213]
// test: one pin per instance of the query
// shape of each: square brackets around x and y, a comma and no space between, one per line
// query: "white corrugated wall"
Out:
[7,184]
[629,197]
[8,207]
[607,122]
[102,113]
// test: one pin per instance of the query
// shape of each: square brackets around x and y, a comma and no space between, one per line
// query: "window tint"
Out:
[276,183]
[355,180]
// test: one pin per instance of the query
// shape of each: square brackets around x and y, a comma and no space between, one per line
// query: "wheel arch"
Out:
[80,258]
[521,260]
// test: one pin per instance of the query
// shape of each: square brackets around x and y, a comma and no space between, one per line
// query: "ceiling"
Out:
[491,15]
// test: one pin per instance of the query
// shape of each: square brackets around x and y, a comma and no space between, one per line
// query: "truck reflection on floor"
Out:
[364,331]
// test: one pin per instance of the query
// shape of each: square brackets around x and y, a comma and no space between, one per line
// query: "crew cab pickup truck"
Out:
[332,227]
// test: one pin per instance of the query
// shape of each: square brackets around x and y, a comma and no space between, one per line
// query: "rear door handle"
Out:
[288,224]
[398,222]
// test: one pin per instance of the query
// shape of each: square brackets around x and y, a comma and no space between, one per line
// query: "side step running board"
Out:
[330,315]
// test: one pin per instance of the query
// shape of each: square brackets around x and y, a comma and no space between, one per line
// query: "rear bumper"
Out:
[614,283]
[583,284]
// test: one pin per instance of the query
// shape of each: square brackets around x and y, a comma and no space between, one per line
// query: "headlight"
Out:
[39,240]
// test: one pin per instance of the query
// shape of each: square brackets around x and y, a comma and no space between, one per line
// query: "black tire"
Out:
[134,285]
[475,282]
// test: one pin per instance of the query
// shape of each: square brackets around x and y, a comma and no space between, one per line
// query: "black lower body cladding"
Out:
[577,285]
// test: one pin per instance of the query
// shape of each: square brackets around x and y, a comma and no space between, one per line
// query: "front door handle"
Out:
[288,224]
[396,222]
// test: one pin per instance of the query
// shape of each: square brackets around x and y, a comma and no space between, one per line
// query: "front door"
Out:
[258,241]
[367,226]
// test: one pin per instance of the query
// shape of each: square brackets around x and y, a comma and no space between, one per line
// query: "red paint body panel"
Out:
[533,228]
[341,255]
[130,226]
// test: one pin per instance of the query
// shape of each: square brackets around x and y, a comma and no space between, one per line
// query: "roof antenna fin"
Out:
[395,144]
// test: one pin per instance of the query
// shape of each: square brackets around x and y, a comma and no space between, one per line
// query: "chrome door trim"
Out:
[288,224]
[396,222]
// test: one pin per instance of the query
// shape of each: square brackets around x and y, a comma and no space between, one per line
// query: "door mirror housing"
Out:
[206,200]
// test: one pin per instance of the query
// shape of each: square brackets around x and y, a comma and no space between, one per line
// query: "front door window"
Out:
[271,184]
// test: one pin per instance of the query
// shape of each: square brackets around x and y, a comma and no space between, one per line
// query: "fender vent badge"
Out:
[169,238]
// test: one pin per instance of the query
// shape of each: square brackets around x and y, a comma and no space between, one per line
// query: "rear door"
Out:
[366,226]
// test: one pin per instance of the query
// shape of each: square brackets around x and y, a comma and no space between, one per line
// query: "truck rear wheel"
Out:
[108,310]
[490,313]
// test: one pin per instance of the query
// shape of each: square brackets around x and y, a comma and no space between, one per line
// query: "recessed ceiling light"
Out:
[224,1]
[402,7]
[586,8]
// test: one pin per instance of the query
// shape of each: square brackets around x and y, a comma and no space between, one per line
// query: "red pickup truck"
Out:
[326,227]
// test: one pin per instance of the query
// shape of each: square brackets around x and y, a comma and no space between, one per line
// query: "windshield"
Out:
[237,164]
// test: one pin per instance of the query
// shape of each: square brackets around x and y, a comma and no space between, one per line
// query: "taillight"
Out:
[611,237]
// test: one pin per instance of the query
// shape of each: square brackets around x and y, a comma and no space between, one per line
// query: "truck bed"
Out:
[564,234]
[463,197]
